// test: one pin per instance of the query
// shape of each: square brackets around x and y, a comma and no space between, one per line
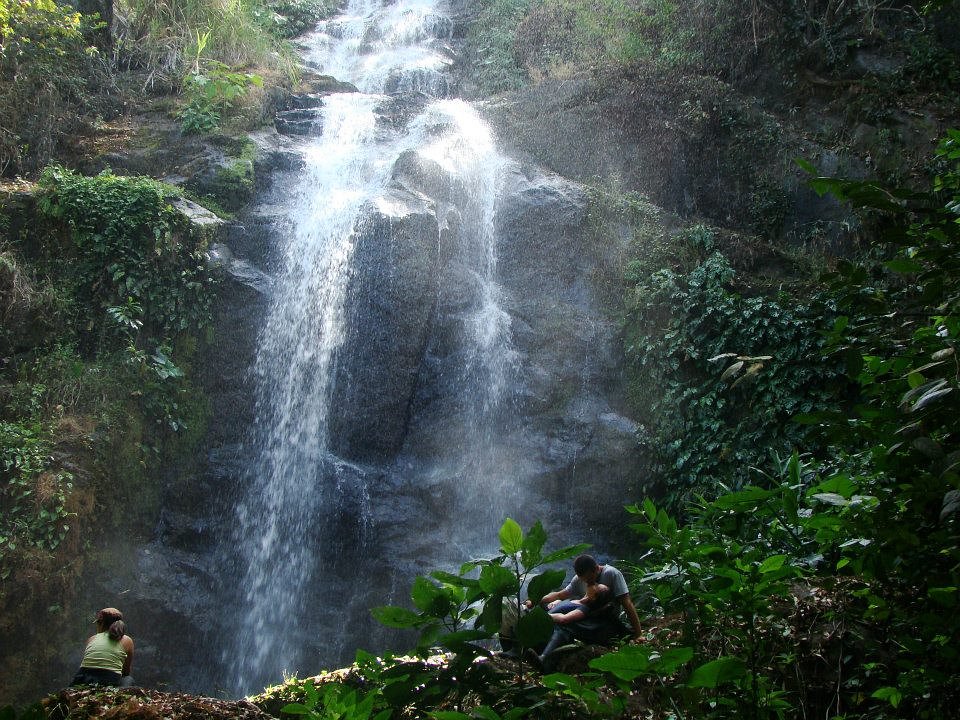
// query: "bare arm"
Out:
[127,642]
[627,603]
[569,617]
[551,597]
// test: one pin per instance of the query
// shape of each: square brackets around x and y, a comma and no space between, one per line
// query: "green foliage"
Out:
[490,46]
[135,268]
[33,712]
[447,604]
[211,89]
[32,497]
[559,36]
[455,612]
[137,275]
[39,98]
[289,18]
[162,36]
[725,570]
[332,701]
[703,430]
[895,481]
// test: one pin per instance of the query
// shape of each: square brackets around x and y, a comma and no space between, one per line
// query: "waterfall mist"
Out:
[306,515]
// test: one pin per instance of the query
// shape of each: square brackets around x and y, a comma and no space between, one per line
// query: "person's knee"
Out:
[127,681]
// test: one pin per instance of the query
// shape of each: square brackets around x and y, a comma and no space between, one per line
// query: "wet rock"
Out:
[541,221]
[274,153]
[400,108]
[239,270]
[306,101]
[325,84]
[202,222]
[299,122]
[429,82]
[391,300]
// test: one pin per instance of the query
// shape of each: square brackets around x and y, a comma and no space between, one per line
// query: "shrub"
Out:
[47,77]
[32,496]
[160,37]
[130,255]
[681,321]
[211,88]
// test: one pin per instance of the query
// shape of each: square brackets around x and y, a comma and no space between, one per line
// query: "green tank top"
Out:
[104,654]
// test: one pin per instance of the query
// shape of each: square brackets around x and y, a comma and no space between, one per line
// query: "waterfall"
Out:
[284,536]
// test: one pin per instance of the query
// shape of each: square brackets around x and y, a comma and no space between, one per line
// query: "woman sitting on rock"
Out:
[108,655]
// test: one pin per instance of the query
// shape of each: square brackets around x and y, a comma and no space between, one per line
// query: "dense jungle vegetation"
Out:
[799,554]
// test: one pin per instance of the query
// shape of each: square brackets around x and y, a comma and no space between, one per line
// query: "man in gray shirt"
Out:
[589,572]
[600,626]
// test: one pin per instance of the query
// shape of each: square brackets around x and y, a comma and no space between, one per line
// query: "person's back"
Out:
[104,653]
[108,655]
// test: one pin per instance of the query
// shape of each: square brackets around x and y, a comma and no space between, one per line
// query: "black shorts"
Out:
[96,676]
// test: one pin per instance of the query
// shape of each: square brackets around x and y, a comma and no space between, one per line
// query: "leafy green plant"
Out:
[42,101]
[137,275]
[33,497]
[704,430]
[447,603]
[289,18]
[490,46]
[132,258]
[211,88]
[332,701]
[457,611]
[162,37]
[894,488]
[723,570]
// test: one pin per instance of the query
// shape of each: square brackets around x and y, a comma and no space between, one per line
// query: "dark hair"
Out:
[110,620]
[583,563]
[117,630]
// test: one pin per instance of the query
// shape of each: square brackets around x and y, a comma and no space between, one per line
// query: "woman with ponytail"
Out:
[108,655]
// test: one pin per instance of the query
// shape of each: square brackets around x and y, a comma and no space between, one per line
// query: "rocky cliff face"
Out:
[416,486]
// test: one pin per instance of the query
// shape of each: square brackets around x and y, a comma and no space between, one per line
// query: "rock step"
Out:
[304,121]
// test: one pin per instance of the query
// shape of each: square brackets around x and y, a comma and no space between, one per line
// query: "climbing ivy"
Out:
[133,263]
[32,496]
[701,429]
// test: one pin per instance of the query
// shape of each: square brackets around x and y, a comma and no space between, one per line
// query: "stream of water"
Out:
[295,482]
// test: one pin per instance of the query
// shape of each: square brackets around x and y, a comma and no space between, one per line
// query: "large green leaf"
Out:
[742,499]
[629,662]
[396,617]
[670,660]
[429,598]
[451,579]
[492,616]
[774,562]
[532,550]
[544,583]
[498,580]
[511,537]
[717,672]
[461,641]
[565,553]
[534,628]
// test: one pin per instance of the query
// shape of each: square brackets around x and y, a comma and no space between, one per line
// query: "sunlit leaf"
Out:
[717,672]
[511,537]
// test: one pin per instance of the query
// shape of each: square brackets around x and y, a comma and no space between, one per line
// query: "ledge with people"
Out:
[586,610]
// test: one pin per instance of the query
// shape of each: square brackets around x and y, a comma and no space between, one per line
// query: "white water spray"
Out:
[395,47]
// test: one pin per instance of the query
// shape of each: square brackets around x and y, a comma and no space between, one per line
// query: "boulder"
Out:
[299,122]
[391,301]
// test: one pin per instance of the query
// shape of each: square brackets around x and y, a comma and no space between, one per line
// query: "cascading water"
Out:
[285,523]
